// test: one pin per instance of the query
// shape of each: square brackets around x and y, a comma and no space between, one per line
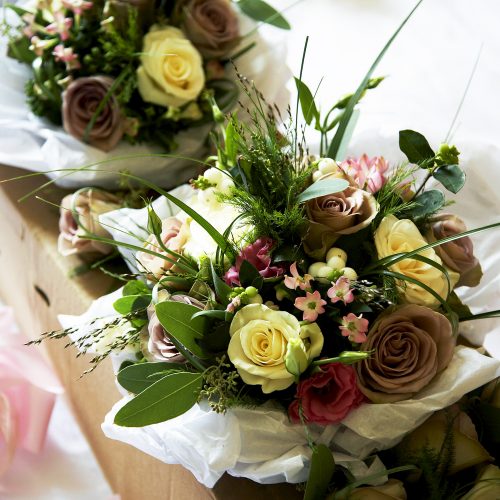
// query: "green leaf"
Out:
[322,188]
[231,142]
[136,287]
[19,48]
[261,11]
[177,319]
[138,377]
[218,339]
[428,203]
[221,289]
[415,146]
[130,303]
[309,109]
[452,177]
[322,469]
[249,275]
[215,314]
[20,11]
[168,398]
[346,117]
[458,306]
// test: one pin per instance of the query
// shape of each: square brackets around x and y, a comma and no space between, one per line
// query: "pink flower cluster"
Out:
[367,172]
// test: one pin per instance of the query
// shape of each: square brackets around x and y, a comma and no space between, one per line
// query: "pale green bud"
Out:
[296,360]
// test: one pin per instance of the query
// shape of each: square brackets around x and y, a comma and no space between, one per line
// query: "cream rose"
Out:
[397,236]
[259,339]
[171,71]
[173,237]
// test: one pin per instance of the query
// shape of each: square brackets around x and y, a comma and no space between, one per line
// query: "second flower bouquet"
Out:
[130,77]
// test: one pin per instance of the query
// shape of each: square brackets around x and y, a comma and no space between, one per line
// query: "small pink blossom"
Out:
[31,27]
[296,280]
[77,6]
[312,305]
[341,291]
[66,54]
[38,46]
[60,26]
[259,255]
[354,327]
[367,172]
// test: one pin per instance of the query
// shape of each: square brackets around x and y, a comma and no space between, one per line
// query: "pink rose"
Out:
[212,26]
[328,396]
[173,238]
[258,254]
[80,102]
[160,347]
[88,205]
[367,172]
[458,255]
[335,215]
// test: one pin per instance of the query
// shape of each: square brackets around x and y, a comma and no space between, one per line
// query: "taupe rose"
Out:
[212,26]
[335,215]
[173,238]
[80,102]
[88,204]
[458,255]
[160,347]
[411,344]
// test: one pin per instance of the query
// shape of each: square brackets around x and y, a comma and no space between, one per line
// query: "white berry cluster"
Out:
[335,264]
[326,166]
[220,182]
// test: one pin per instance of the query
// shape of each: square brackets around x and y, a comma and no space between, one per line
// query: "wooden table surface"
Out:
[34,279]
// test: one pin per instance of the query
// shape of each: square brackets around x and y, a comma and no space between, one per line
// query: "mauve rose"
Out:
[258,254]
[88,204]
[173,238]
[337,214]
[411,344]
[212,26]
[160,347]
[458,255]
[81,100]
[327,396]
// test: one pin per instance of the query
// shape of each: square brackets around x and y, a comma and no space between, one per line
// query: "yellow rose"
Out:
[171,73]
[259,341]
[396,236]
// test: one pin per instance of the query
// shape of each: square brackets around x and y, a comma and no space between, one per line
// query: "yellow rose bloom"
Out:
[399,236]
[259,341]
[171,71]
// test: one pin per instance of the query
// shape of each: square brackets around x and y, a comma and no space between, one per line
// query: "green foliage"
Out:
[221,386]
[415,146]
[167,398]
[322,469]
[262,11]
[307,103]
[452,177]
[136,378]
[426,204]
[322,188]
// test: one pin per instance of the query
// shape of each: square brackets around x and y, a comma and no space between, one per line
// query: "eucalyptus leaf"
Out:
[322,469]
[167,398]
[323,188]
[452,177]
[129,303]
[135,287]
[262,11]
[415,146]
[309,109]
[138,377]
[428,203]
[177,319]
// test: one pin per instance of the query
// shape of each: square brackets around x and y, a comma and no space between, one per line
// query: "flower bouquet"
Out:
[295,315]
[111,79]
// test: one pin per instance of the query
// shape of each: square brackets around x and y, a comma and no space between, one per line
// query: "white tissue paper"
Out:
[32,143]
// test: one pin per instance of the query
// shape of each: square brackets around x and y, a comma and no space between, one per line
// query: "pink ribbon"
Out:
[27,392]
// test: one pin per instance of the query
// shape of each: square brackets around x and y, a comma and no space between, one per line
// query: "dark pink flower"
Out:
[258,254]
[327,396]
